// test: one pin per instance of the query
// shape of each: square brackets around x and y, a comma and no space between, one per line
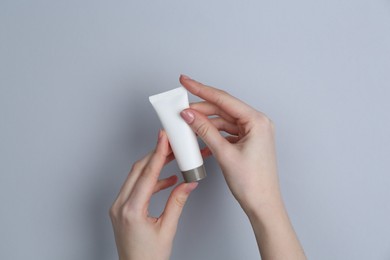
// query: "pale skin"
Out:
[248,162]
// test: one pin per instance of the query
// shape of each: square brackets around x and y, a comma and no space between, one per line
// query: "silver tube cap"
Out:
[194,174]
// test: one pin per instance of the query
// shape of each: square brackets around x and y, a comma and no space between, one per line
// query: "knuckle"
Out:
[152,171]
[202,129]
[220,97]
[263,120]
[180,201]
[137,166]
[127,214]
[222,92]
[112,212]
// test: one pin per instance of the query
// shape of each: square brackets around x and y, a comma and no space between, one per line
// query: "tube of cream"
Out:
[185,147]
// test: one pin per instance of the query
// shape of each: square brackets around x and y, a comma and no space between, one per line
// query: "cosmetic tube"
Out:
[182,139]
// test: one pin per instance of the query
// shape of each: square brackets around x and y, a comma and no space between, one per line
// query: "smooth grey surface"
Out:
[194,175]
[74,115]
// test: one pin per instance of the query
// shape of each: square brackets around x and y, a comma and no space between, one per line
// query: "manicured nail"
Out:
[188,116]
[185,77]
[173,178]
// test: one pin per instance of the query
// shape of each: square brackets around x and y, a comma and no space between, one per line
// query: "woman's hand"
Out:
[138,235]
[247,157]
[248,162]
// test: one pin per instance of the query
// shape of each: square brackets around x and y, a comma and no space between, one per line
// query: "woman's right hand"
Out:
[248,162]
[247,157]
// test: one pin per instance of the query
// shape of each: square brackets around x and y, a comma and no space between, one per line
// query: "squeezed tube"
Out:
[185,147]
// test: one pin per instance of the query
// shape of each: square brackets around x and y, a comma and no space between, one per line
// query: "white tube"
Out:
[185,147]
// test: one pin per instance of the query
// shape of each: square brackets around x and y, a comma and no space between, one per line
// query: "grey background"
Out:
[74,116]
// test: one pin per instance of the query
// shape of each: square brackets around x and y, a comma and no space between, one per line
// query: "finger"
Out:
[165,183]
[143,188]
[174,207]
[134,173]
[169,158]
[223,125]
[203,127]
[131,179]
[210,109]
[206,152]
[231,105]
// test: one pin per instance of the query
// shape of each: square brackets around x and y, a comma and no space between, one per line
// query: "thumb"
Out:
[175,204]
[202,126]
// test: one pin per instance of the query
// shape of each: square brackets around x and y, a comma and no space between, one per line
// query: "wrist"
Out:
[273,231]
[257,202]
[266,208]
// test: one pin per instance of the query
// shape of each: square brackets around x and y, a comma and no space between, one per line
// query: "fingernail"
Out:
[185,77]
[188,116]
[191,186]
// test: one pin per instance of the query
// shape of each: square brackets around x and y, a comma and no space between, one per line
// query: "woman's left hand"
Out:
[138,235]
